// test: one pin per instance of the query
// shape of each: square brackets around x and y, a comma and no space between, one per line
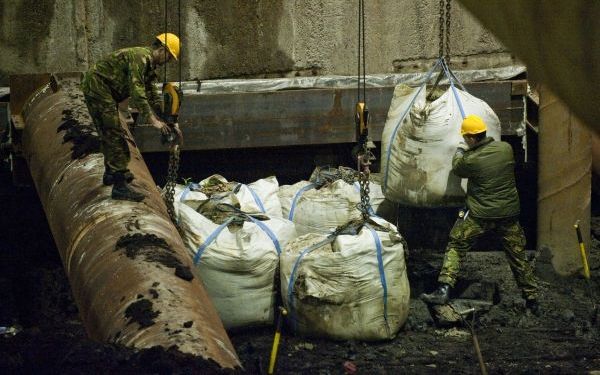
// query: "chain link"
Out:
[441,33]
[448,10]
[445,8]
[172,175]
[363,181]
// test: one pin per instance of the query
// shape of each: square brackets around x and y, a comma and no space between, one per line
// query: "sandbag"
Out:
[257,197]
[237,263]
[326,175]
[319,211]
[418,142]
[329,199]
[354,287]
[260,196]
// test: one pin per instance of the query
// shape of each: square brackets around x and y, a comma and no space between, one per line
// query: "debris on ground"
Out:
[36,297]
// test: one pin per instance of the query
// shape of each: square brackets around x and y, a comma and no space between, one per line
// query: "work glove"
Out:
[178,134]
[462,147]
[171,134]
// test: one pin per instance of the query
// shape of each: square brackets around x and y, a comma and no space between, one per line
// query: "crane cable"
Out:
[174,152]
[364,144]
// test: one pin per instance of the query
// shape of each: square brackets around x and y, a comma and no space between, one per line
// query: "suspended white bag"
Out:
[319,211]
[237,267]
[350,287]
[418,142]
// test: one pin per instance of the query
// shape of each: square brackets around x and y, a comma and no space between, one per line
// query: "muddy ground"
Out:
[36,302]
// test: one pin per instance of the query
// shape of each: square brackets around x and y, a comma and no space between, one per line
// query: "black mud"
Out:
[141,312]
[77,124]
[153,249]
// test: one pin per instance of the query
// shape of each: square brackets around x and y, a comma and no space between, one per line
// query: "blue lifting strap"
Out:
[186,191]
[296,198]
[257,199]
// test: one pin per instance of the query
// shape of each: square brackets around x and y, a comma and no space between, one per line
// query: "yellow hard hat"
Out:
[171,41]
[472,124]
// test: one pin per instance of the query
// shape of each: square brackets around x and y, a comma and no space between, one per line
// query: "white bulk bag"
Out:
[186,194]
[418,142]
[237,267]
[319,211]
[260,196]
[257,197]
[353,288]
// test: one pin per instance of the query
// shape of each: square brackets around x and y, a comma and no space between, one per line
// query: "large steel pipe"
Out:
[129,272]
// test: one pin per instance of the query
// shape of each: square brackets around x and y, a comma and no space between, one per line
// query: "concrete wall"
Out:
[241,38]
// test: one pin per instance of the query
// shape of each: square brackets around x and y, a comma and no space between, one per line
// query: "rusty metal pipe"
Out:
[138,294]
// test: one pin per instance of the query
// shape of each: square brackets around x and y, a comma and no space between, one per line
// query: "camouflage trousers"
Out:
[105,114]
[464,234]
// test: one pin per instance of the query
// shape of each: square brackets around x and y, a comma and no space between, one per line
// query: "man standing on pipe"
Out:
[127,73]
[492,206]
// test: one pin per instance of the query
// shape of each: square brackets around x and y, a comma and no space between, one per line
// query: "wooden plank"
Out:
[298,117]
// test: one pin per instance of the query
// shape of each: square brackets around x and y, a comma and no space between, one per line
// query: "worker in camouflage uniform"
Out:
[127,73]
[492,206]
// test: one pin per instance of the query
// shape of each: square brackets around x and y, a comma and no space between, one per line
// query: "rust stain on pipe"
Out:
[129,271]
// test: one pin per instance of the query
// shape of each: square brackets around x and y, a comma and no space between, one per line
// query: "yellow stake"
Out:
[273,359]
[586,268]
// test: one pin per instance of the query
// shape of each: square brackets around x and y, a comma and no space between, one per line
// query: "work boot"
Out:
[109,179]
[122,191]
[533,306]
[439,297]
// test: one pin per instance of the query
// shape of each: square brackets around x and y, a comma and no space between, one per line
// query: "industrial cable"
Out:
[166,36]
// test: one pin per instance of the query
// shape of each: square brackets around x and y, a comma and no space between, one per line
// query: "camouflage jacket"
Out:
[126,73]
[491,189]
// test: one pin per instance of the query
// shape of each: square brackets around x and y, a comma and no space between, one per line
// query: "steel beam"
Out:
[305,116]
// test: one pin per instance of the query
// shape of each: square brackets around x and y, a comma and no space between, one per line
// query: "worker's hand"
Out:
[178,134]
[160,125]
[165,130]
[462,146]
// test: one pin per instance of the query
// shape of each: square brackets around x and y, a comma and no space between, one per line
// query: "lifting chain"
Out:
[445,7]
[365,145]
[448,9]
[364,160]
[172,175]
